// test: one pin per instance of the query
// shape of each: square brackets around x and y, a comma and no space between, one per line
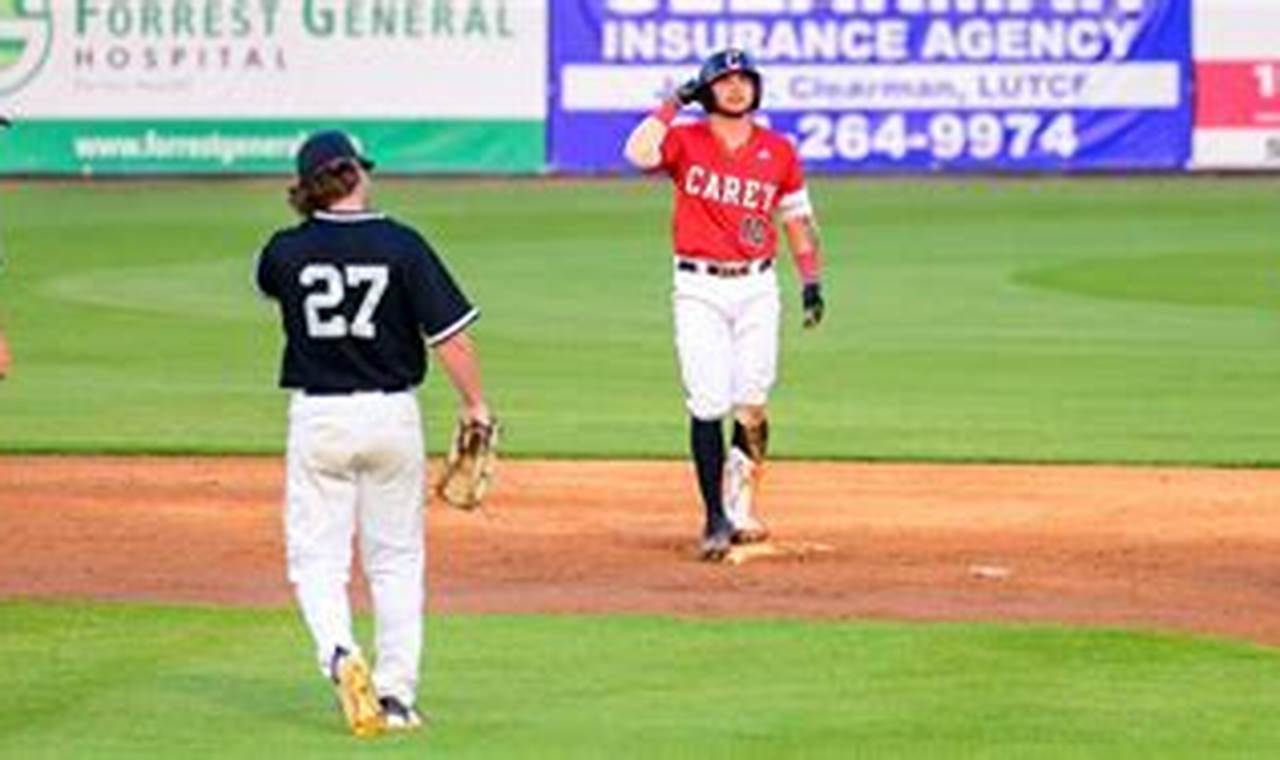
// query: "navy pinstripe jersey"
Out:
[358,292]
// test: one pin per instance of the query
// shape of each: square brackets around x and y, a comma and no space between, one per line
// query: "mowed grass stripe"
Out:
[969,319]
[94,679]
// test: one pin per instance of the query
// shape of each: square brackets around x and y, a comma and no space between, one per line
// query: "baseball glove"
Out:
[468,469]
[813,304]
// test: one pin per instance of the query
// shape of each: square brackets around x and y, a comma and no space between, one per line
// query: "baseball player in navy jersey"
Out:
[359,294]
[731,177]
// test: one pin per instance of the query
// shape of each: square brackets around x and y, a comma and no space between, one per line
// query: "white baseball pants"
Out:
[357,460]
[726,334]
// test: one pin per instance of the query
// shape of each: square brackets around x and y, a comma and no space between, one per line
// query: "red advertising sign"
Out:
[1238,94]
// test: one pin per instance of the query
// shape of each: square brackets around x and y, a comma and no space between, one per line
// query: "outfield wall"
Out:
[527,86]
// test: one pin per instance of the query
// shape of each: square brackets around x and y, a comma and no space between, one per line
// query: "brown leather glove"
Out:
[469,466]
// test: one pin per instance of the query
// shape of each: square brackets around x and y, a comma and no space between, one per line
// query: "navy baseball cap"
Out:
[323,148]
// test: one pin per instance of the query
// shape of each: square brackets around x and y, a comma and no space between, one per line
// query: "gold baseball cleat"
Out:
[354,687]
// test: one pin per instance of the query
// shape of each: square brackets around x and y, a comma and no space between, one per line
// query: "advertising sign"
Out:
[1237,50]
[866,85]
[233,85]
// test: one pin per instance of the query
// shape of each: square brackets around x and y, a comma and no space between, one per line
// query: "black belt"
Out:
[350,391]
[719,269]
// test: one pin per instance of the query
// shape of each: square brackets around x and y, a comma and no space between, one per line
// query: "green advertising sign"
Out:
[122,147]
[26,35]
[232,86]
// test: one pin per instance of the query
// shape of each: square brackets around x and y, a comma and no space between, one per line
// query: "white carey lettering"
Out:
[712,191]
[751,194]
[691,180]
[769,192]
[732,187]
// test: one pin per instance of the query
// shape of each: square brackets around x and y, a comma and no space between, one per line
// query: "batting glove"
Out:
[687,92]
[813,304]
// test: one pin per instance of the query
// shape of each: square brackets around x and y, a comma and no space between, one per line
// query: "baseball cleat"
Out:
[397,716]
[754,532]
[354,687]
[715,547]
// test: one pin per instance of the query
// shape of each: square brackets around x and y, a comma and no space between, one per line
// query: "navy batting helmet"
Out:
[323,148]
[722,64]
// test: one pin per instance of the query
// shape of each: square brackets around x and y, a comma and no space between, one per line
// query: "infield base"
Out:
[798,550]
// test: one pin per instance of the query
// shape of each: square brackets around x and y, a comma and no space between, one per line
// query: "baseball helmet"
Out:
[722,64]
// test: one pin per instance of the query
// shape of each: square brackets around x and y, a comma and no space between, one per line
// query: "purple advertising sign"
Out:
[894,85]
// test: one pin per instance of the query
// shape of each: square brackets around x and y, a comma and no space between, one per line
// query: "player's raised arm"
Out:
[643,148]
[802,237]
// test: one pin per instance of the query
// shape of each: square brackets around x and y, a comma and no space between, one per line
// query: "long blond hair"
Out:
[325,186]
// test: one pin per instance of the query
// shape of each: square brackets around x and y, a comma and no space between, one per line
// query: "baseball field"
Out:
[1025,482]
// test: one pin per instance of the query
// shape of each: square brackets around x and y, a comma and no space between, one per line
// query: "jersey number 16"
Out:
[327,285]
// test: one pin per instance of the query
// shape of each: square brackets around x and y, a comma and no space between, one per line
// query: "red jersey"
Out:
[725,201]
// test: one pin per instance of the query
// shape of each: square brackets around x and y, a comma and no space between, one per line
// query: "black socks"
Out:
[754,445]
[706,438]
[740,437]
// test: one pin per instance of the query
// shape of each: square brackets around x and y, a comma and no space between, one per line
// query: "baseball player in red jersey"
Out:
[731,177]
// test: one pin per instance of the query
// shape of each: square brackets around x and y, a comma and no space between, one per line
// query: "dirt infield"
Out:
[1190,550]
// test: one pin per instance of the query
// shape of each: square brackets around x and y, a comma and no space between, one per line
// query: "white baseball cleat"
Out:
[751,532]
[397,716]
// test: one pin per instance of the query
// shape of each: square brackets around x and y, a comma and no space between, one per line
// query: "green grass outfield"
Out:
[970,319]
[1128,320]
[125,681]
